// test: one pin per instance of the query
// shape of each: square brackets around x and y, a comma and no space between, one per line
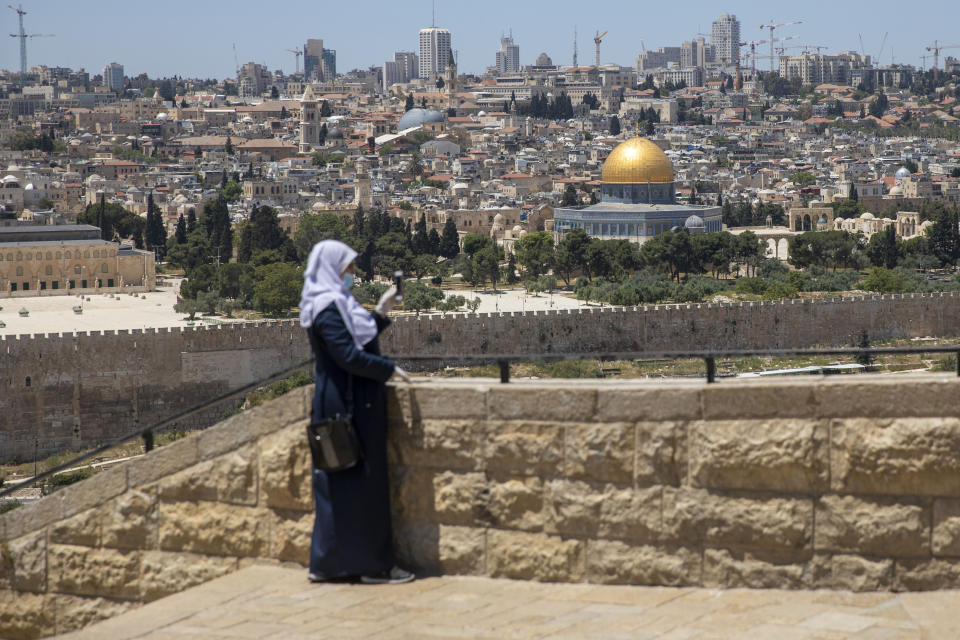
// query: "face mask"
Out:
[348,280]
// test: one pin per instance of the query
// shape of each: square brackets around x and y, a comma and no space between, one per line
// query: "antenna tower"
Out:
[574,46]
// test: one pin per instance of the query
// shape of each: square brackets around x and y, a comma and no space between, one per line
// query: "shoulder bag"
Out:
[334,445]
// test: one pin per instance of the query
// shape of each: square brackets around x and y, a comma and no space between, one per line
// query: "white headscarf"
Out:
[322,285]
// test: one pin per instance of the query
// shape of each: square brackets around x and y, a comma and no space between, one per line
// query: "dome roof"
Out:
[637,161]
[694,222]
[543,60]
[867,216]
[335,134]
[902,172]
[417,117]
[896,191]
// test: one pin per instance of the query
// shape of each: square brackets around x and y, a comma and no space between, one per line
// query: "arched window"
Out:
[19,271]
[67,255]
[86,254]
[76,268]
[19,255]
[49,270]
[104,268]
[29,256]
[58,255]
[49,256]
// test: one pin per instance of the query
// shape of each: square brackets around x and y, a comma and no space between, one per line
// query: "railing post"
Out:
[148,441]
[711,369]
[958,363]
[504,371]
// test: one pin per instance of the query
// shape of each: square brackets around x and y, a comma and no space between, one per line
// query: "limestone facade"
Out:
[846,484]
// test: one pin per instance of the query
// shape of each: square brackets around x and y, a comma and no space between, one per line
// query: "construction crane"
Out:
[753,53]
[596,40]
[296,53]
[23,35]
[773,26]
[936,48]
[923,61]
[236,60]
[781,50]
[810,47]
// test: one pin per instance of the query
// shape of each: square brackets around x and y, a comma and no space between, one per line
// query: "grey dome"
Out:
[902,172]
[694,222]
[335,134]
[543,60]
[417,117]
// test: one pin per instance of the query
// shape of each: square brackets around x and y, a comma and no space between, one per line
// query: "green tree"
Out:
[408,104]
[883,280]
[231,191]
[486,265]
[854,196]
[803,178]
[570,254]
[114,221]
[474,242]
[216,223]
[315,228]
[570,196]
[943,238]
[614,125]
[535,252]
[420,297]
[884,248]
[262,232]
[421,240]
[155,232]
[191,220]
[450,240]
[181,232]
[277,287]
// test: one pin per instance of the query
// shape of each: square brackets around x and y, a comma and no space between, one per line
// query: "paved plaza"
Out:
[271,602]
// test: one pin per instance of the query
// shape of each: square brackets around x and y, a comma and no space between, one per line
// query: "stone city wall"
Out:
[63,391]
[847,483]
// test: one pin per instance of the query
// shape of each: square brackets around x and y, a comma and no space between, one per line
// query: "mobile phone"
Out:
[398,283]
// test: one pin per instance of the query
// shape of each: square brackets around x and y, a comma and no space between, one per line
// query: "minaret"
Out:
[309,121]
[450,82]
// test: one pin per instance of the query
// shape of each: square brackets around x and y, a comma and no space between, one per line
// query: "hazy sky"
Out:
[195,38]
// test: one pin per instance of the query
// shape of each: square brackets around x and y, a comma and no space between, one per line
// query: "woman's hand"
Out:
[403,375]
[387,302]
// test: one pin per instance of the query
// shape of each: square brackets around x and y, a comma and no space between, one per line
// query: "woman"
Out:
[351,534]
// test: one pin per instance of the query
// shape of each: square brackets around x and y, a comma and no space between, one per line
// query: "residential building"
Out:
[313,61]
[817,68]
[329,64]
[434,52]
[403,68]
[508,57]
[659,59]
[725,37]
[253,80]
[113,76]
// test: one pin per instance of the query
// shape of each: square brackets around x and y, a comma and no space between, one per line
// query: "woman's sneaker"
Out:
[393,576]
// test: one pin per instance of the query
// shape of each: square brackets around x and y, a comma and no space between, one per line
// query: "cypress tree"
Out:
[450,240]
[181,232]
[191,220]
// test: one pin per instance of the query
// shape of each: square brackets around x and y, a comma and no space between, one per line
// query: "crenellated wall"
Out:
[63,391]
[849,483]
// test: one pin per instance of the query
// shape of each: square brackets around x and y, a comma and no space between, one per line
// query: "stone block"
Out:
[23,563]
[614,562]
[162,462]
[905,456]
[872,526]
[32,516]
[286,472]
[926,574]
[517,503]
[163,573]
[77,612]
[600,452]
[648,405]
[534,556]
[572,507]
[462,551]
[725,568]
[417,545]
[736,520]
[946,528]
[26,615]
[445,402]
[890,398]
[83,571]
[93,492]
[214,529]
[786,455]
[441,444]
[412,494]
[851,572]
[130,521]
[554,403]
[631,514]
[399,407]
[274,415]
[460,498]
[661,453]
[231,434]
[82,529]
[524,448]
[290,533]
[758,401]
[194,483]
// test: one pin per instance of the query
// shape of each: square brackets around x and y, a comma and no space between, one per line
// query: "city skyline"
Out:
[196,40]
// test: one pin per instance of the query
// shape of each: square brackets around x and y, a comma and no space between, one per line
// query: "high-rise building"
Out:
[253,80]
[508,57]
[113,76]
[403,68]
[725,37]
[329,64]
[313,61]
[434,52]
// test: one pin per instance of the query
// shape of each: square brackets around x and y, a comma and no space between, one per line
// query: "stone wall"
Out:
[847,483]
[74,390]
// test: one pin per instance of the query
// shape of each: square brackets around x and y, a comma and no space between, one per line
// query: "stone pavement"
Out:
[267,602]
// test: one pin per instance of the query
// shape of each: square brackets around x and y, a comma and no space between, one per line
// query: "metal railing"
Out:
[503,361]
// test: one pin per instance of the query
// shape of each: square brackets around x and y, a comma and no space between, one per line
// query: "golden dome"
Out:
[637,161]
